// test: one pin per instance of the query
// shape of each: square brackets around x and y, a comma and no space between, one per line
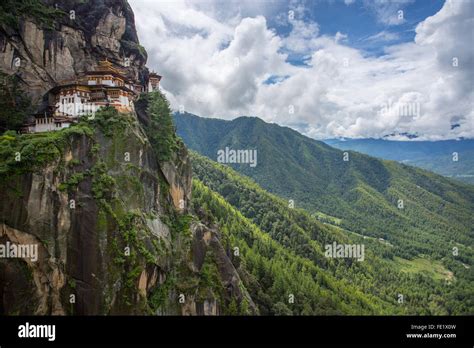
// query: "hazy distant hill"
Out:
[436,156]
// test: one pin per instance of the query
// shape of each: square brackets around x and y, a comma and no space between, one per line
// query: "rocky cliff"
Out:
[110,220]
[83,33]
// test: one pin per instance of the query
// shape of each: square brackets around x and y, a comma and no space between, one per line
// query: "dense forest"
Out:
[416,211]
[267,227]
[281,252]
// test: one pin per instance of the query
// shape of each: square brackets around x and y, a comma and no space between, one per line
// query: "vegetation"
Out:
[361,195]
[160,130]
[20,153]
[118,193]
[281,259]
[29,152]
[284,246]
[108,120]
[435,156]
[12,10]
[434,269]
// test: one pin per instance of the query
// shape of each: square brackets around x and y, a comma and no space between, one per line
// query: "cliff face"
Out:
[111,222]
[97,29]
[112,229]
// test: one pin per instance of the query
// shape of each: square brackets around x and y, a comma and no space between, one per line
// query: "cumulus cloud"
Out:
[303,37]
[218,67]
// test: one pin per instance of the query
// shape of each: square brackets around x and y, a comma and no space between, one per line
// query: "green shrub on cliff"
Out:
[12,10]
[109,121]
[28,152]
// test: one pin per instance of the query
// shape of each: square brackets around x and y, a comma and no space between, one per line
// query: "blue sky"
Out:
[360,22]
[335,68]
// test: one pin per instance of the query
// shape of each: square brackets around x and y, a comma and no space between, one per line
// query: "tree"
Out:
[281,309]
[233,308]
[161,130]
[244,307]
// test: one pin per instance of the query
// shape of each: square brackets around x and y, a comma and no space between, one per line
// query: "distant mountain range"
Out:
[409,217]
[282,252]
[360,192]
[436,156]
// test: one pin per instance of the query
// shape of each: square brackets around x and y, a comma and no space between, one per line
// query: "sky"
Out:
[399,69]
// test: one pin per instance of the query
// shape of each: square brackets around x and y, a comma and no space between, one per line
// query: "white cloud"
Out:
[383,36]
[303,37]
[389,12]
[340,37]
[217,68]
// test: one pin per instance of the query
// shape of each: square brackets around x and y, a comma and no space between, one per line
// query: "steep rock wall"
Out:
[113,227]
[109,231]
[42,57]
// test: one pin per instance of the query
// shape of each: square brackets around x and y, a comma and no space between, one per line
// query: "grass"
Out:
[424,265]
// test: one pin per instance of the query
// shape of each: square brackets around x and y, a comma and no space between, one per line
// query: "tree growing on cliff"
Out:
[160,129]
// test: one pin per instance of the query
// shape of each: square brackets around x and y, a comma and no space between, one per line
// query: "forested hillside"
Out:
[416,211]
[123,220]
[281,253]
[436,156]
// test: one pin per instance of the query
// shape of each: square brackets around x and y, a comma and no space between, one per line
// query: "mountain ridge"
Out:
[436,156]
[245,211]
[364,192]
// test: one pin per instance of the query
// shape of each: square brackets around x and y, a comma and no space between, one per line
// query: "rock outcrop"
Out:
[111,236]
[86,33]
[113,225]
